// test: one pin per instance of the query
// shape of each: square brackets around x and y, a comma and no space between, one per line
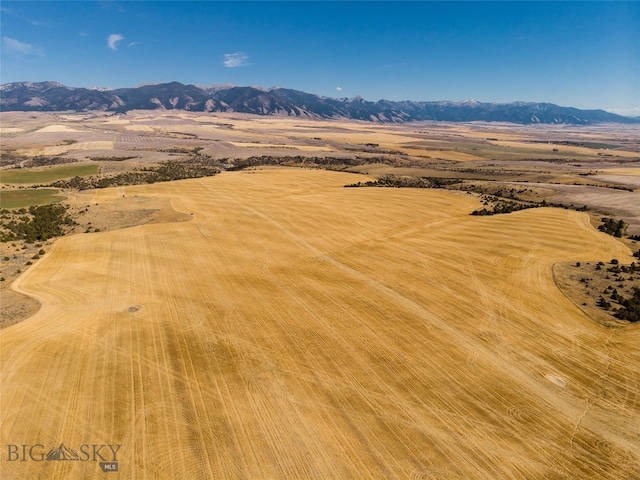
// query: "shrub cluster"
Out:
[630,307]
[614,227]
[11,158]
[48,160]
[38,223]
[165,172]
[503,206]
[398,181]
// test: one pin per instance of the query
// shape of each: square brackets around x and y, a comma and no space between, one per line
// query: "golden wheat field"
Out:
[294,328]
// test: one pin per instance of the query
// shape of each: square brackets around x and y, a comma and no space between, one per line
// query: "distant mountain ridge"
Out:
[53,96]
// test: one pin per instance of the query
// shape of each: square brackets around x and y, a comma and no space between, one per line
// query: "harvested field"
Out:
[310,148]
[296,329]
[60,149]
[144,139]
[148,142]
[139,128]
[58,129]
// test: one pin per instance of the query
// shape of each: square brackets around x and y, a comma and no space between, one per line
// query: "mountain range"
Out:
[53,96]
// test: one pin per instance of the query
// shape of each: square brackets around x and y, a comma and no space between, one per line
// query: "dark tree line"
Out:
[12,158]
[164,172]
[300,161]
[398,181]
[112,158]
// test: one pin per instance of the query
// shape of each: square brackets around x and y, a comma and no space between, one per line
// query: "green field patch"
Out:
[30,196]
[30,175]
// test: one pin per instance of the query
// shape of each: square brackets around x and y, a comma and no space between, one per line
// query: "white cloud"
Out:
[339,89]
[113,40]
[237,59]
[133,44]
[11,46]
[30,21]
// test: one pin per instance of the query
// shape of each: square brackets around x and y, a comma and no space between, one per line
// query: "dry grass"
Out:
[58,129]
[138,128]
[298,329]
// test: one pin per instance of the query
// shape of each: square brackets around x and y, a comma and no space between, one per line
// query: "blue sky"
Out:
[581,54]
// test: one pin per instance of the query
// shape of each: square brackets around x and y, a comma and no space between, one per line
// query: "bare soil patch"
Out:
[15,307]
